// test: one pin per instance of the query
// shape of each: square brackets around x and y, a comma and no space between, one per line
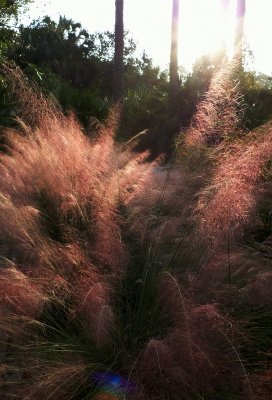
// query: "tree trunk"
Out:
[174,78]
[239,30]
[119,51]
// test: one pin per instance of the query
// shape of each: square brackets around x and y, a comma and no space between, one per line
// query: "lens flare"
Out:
[112,386]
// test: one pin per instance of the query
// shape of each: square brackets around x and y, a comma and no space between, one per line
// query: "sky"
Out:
[203,26]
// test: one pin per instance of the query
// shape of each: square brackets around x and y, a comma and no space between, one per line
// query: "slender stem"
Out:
[229,265]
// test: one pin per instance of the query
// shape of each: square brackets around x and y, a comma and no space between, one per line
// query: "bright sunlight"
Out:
[209,26]
[204,27]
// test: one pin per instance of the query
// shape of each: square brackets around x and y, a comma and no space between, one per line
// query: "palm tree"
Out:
[174,78]
[119,51]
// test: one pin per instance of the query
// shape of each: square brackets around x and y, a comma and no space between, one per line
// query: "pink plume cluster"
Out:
[228,201]
[218,114]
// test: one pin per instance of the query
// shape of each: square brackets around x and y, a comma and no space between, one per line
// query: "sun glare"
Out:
[205,27]
[230,28]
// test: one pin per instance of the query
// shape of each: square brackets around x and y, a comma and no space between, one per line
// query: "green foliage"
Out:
[76,68]
[143,108]
[138,305]
[10,8]
[257,91]
[70,52]
[9,11]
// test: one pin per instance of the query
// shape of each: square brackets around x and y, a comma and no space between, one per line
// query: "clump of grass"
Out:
[106,284]
[61,241]
[218,114]
[227,203]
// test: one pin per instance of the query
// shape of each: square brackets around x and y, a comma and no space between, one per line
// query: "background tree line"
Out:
[77,67]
